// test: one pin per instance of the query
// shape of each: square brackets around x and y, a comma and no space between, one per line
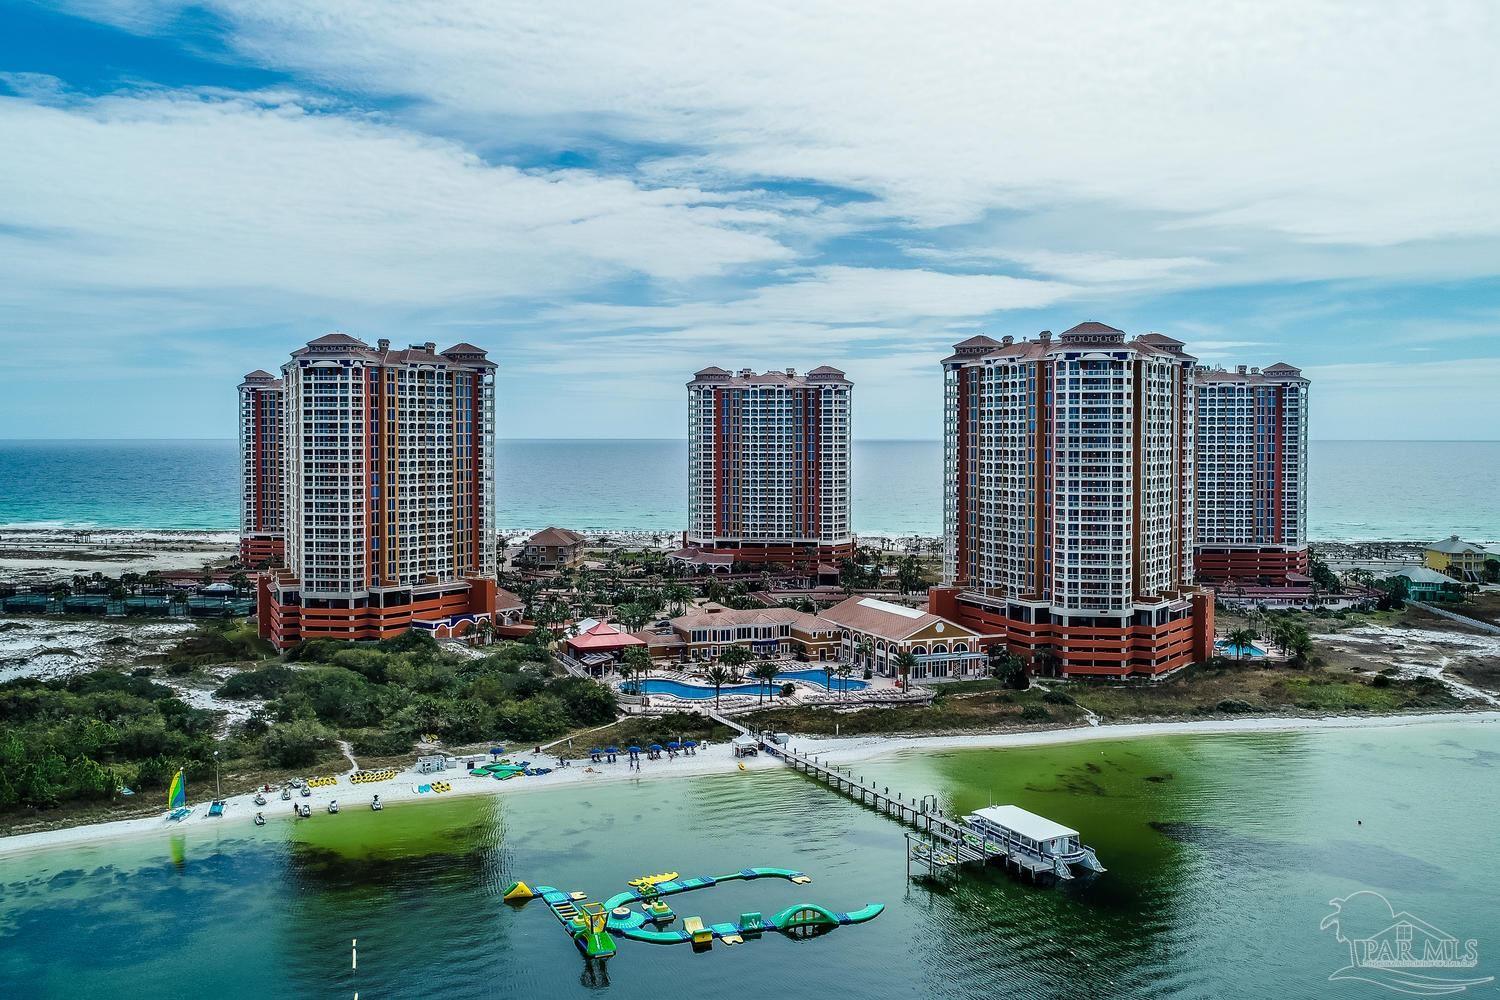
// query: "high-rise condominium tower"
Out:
[261,467]
[389,492]
[1252,475]
[1068,501]
[768,465]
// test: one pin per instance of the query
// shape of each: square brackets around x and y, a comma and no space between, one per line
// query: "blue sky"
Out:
[610,197]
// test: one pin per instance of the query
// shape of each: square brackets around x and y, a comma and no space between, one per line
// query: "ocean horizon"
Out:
[1358,490]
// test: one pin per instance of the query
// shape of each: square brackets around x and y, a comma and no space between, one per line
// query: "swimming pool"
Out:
[1226,648]
[699,692]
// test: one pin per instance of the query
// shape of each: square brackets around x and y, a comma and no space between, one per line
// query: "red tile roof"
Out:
[603,637]
[555,536]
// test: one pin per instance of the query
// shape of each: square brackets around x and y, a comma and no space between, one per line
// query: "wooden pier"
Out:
[944,839]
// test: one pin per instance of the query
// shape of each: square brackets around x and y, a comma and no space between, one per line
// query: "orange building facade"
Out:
[262,466]
[1068,502]
[388,493]
[768,466]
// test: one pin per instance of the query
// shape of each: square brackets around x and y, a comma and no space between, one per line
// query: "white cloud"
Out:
[1315,120]
[1088,268]
[843,295]
[170,191]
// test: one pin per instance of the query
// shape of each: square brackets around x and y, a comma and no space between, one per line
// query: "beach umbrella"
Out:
[635,749]
[654,746]
[597,750]
[496,751]
[691,743]
[674,745]
[615,749]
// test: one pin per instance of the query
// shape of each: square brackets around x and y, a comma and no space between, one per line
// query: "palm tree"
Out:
[1281,633]
[905,663]
[734,658]
[848,577]
[633,615]
[844,670]
[677,596]
[482,631]
[637,660]
[766,672]
[625,669]
[718,677]
[528,592]
[909,575]
[1241,640]
[828,671]
[1044,661]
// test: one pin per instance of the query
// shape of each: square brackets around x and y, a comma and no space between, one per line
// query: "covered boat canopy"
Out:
[1024,822]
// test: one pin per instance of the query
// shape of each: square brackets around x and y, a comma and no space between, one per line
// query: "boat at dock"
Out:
[1024,834]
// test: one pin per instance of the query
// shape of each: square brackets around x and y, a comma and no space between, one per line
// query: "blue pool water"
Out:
[1229,649]
[700,692]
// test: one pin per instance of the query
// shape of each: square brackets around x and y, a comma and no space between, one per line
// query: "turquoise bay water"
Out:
[1359,489]
[1223,851]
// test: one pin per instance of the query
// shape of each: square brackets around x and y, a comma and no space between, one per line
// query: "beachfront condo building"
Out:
[1068,501]
[389,493]
[1251,476]
[262,543]
[768,466]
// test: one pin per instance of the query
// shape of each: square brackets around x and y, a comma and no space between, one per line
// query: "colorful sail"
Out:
[177,794]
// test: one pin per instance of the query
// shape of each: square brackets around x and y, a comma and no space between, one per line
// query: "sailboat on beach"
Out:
[177,797]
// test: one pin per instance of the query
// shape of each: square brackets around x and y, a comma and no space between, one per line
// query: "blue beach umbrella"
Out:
[654,746]
[691,743]
[635,749]
[612,750]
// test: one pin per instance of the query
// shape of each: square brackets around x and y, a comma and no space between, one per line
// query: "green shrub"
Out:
[263,682]
[296,744]
[587,703]
[1058,698]
[381,743]
[1035,713]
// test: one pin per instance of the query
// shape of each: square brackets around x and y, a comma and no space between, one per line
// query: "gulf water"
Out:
[1359,490]
[1224,853]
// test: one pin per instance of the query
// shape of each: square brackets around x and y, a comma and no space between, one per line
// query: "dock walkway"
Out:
[962,844]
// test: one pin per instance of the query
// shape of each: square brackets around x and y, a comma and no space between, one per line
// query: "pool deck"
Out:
[875,691]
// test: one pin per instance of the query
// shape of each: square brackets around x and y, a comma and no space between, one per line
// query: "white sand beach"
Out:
[713,759]
[36,555]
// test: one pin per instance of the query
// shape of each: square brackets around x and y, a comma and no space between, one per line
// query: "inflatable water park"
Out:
[642,913]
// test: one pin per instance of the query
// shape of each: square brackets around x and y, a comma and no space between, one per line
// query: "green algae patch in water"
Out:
[454,827]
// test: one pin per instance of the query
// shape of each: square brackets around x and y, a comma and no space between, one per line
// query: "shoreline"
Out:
[714,759]
[94,533]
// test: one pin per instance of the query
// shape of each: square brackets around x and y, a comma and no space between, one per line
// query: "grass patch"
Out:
[644,731]
[957,707]
[218,642]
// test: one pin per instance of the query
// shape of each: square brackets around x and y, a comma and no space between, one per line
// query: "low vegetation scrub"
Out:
[85,736]
[385,696]
[230,642]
